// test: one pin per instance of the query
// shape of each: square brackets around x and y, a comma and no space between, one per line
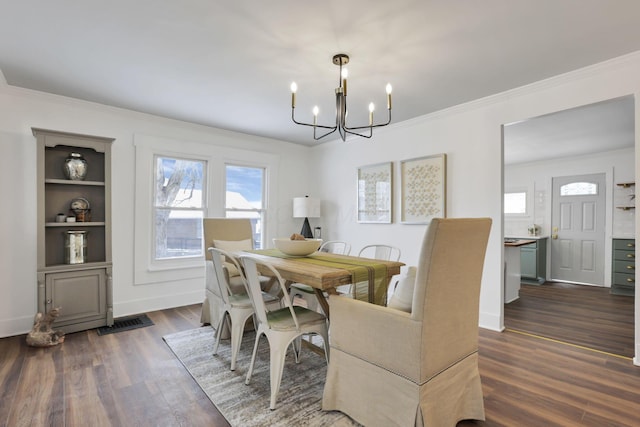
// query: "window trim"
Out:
[146,146]
[154,208]
[528,197]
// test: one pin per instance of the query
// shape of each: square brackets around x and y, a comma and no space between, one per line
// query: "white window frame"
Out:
[146,271]
[155,208]
[528,197]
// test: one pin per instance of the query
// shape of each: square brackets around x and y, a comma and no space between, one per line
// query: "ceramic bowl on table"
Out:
[297,247]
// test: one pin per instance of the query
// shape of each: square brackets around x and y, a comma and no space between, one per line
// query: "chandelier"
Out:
[341,59]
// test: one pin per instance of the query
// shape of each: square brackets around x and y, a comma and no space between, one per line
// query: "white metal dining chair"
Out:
[339,247]
[231,235]
[236,306]
[306,292]
[377,251]
[281,327]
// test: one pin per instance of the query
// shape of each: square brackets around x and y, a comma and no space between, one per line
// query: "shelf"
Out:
[625,208]
[70,182]
[75,267]
[75,224]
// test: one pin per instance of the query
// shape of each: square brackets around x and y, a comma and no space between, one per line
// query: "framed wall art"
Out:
[423,189]
[375,188]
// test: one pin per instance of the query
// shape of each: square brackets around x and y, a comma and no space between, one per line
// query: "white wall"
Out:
[22,109]
[471,137]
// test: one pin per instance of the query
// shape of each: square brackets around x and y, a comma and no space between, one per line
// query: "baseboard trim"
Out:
[491,322]
[16,326]
[128,308]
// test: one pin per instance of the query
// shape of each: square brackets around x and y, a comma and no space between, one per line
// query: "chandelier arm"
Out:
[309,124]
[359,134]
[379,125]
[343,133]
[323,135]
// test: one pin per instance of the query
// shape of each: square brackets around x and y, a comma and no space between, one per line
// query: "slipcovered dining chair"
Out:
[282,327]
[306,292]
[236,305]
[417,368]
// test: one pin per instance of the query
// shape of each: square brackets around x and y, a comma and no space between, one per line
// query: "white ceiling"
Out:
[590,129]
[229,64]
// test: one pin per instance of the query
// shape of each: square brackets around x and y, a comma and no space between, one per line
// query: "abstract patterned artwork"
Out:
[375,193]
[423,189]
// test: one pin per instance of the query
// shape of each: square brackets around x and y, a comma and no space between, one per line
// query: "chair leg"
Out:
[323,332]
[219,332]
[237,330]
[277,355]
[297,347]
[253,357]
[325,343]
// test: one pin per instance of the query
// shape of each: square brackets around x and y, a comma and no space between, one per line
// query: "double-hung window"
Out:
[178,209]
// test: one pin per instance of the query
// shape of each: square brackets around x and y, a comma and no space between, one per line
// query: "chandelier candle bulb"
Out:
[294,88]
[315,115]
[388,88]
[345,73]
[371,108]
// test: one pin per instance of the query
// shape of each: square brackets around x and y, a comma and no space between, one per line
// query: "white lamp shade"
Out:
[306,207]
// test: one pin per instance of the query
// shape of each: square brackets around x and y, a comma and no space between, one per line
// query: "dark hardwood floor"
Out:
[125,379]
[582,315]
[132,379]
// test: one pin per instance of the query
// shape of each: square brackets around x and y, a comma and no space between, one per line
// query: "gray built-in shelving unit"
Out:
[83,291]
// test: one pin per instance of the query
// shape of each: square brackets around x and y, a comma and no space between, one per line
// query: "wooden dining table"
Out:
[321,277]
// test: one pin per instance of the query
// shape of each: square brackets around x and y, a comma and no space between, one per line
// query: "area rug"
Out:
[300,395]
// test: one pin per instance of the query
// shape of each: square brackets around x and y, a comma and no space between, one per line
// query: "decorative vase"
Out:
[75,167]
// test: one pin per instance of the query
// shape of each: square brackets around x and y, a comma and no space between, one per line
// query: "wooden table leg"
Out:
[322,300]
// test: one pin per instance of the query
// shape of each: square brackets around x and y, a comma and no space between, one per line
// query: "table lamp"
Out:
[306,207]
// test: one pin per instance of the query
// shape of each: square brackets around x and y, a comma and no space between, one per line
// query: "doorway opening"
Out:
[592,145]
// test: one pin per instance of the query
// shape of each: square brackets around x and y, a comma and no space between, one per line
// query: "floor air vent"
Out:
[126,324]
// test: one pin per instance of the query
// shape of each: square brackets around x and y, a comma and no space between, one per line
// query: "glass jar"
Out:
[75,247]
[75,167]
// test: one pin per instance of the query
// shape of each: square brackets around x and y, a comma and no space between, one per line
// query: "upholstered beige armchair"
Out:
[389,367]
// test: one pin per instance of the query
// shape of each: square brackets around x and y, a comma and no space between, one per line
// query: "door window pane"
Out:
[579,189]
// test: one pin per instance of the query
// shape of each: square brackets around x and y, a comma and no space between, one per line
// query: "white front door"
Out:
[578,229]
